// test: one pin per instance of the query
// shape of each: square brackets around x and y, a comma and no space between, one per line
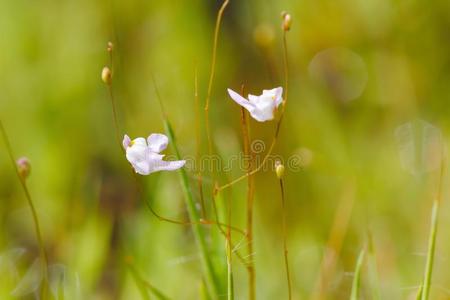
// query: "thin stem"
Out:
[250,197]
[186,223]
[115,119]
[113,103]
[284,228]
[286,66]
[23,183]
[230,284]
[212,73]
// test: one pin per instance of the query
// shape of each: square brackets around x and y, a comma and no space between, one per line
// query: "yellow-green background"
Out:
[57,112]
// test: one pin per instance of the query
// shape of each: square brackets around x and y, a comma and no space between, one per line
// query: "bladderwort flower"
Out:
[144,155]
[262,107]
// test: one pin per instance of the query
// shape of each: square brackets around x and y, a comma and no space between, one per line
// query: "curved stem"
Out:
[212,72]
[43,254]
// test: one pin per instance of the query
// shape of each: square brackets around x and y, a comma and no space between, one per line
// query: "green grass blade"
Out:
[357,276]
[211,280]
[431,249]
[419,293]
[373,272]
[230,284]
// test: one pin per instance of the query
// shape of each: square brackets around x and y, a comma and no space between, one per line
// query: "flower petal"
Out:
[168,165]
[141,167]
[139,141]
[126,141]
[241,100]
[276,94]
[265,106]
[137,153]
[157,142]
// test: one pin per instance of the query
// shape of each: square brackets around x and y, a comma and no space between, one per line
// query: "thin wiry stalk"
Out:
[113,102]
[188,223]
[114,113]
[277,128]
[250,197]
[23,183]
[357,276]
[208,98]
[212,73]
[285,248]
[230,284]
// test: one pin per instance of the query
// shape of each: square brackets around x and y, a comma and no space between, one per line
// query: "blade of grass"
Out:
[357,276]
[426,285]
[373,272]
[419,293]
[431,250]
[230,284]
[210,277]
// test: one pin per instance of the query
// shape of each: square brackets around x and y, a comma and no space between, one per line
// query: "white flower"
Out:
[261,107]
[144,154]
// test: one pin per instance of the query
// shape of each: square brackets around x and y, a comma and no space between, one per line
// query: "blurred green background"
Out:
[359,71]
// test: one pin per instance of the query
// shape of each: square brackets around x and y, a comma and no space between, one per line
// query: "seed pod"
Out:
[23,167]
[110,47]
[107,75]
[287,21]
[279,169]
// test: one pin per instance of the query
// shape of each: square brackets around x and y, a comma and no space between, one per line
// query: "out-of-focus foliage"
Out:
[368,107]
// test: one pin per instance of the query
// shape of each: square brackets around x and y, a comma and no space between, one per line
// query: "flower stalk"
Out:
[22,173]
[279,169]
[250,196]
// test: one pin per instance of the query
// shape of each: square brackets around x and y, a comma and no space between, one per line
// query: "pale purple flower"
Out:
[261,107]
[144,154]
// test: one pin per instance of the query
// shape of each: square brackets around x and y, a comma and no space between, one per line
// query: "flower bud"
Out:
[287,21]
[110,47]
[279,169]
[23,167]
[107,75]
